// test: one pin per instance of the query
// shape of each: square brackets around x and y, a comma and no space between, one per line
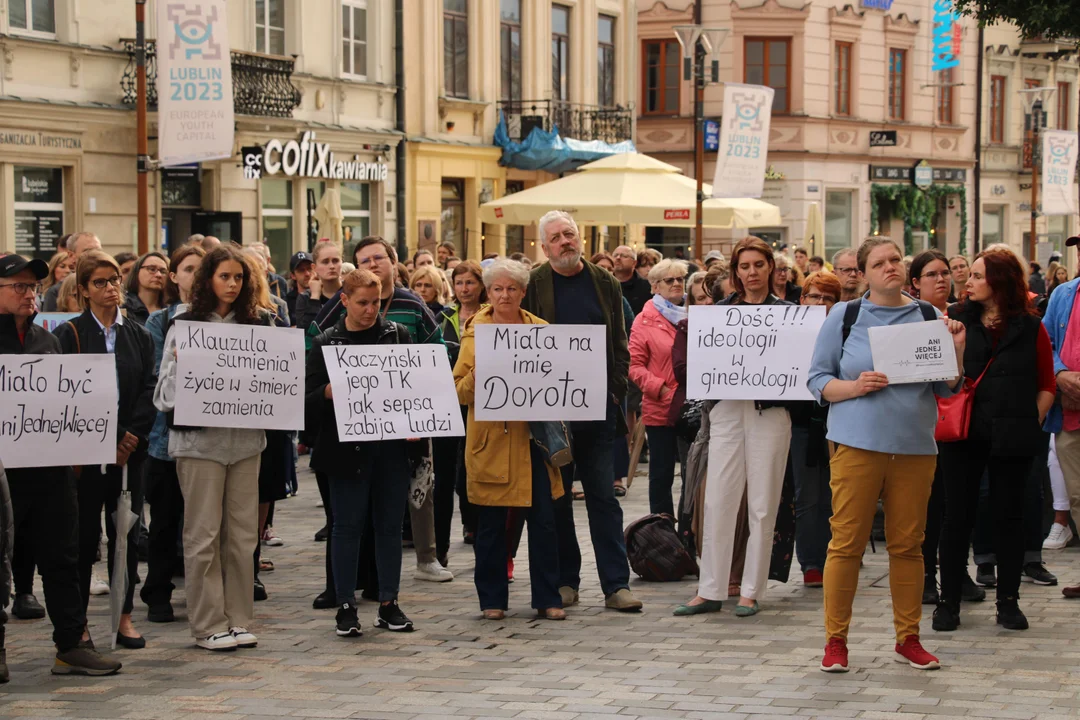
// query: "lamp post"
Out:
[697,42]
[1034,120]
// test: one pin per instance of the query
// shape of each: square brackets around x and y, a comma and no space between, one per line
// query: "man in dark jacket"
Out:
[569,290]
[7,542]
[45,499]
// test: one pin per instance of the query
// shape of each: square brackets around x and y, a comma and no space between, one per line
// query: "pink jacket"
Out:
[651,341]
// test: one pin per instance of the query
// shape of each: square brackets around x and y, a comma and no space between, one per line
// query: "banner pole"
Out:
[142,150]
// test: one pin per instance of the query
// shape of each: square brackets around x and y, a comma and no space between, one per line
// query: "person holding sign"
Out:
[102,329]
[367,479]
[218,470]
[507,467]
[896,465]
[1009,358]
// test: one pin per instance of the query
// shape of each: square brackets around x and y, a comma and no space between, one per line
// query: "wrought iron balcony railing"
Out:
[262,84]
[581,122]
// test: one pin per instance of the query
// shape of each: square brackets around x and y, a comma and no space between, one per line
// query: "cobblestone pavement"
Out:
[597,664]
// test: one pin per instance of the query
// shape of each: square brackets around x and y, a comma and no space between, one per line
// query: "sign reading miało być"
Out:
[307,158]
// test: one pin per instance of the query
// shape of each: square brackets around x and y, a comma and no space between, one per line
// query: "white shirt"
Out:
[110,333]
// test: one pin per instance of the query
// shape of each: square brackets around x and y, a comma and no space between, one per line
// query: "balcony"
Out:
[581,122]
[262,84]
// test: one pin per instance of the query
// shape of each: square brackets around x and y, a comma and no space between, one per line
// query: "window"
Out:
[768,62]
[355,210]
[510,44]
[661,77]
[560,52]
[1064,93]
[270,26]
[32,16]
[839,216]
[354,38]
[456,47]
[277,218]
[997,108]
[605,56]
[842,79]
[945,97]
[897,81]
[39,210]
[515,234]
[453,215]
[993,224]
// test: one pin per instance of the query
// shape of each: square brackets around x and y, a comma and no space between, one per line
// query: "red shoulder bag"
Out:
[954,413]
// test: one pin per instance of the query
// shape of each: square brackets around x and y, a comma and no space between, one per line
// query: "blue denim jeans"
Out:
[380,492]
[663,453]
[492,547]
[593,449]
[813,504]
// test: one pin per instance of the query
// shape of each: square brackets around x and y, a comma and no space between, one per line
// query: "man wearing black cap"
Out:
[301,268]
[45,499]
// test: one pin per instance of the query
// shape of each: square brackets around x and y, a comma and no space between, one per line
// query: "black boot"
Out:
[325,600]
[1010,616]
[946,617]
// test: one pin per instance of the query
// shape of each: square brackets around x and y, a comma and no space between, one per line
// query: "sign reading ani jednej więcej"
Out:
[239,376]
[57,409]
[751,352]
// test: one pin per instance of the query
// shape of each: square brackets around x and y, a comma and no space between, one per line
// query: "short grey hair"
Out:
[74,240]
[511,268]
[841,253]
[550,217]
[662,268]
[779,257]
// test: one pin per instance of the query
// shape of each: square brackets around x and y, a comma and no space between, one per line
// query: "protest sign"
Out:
[541,372]
[751,352]
[392,392]
[57,410]
[53,320]
[913,352]
[239,376]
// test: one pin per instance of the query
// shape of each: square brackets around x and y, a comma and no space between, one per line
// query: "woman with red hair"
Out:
[1009,357]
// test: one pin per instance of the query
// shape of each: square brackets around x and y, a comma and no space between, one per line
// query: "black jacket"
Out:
[328,454]
[38,340]
[136,372]
[136,309]
[638,291]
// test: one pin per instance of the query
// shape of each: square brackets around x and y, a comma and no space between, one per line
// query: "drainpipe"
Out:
[977,174]
[399,104]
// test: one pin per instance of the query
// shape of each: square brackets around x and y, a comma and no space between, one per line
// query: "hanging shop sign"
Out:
[948,33]
[922,175]
[307,158]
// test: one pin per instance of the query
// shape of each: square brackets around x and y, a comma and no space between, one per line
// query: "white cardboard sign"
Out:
[57,410]
[751,352]
[541,372]
[392,392]
[913,352]
[239,376]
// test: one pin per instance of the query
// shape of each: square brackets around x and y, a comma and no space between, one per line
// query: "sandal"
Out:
[551,614]
[266,565]
[620,489]
[494,614]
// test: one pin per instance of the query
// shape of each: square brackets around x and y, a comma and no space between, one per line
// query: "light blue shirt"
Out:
[110,333]
[898,419]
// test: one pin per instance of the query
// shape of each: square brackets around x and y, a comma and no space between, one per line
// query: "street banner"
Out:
[392,392]
[239,376]
[52,320]
[744,141]
[913,352]
[57,410]
[751,352]
[1059,172]
[541,372]
[194,82]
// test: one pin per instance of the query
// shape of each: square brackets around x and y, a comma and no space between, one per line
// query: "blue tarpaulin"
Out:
[544,150]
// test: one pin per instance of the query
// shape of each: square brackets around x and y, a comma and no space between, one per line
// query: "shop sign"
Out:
[307,158]
[712,136]
[923,175]
[882,138]
[39,185]
[876,4]
[947,35]
[906,174]
[23,138]
[683,214]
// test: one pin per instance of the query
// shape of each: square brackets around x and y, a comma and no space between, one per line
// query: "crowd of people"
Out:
[778,479]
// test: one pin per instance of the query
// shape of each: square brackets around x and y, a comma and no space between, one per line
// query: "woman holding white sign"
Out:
[218,470]
[507,467]
[884,436]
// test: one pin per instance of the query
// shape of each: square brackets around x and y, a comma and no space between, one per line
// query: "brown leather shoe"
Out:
[494,614]
[551,614]
[1073,593]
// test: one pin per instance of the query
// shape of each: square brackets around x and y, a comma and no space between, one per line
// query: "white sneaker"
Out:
[98,586]
[1058,538]
[433,572]
[270,539]
[243,638]
[218,641]
[319,503]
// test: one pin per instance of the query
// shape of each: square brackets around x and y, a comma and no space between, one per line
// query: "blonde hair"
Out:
[90,261]
[662,268]
[54,262]
[435,276]
[67,298]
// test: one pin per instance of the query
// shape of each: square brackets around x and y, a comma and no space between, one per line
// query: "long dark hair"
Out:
[132,285]
[203,300]
[1008,283]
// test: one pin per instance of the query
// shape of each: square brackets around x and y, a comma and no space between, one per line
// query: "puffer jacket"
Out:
[651,342]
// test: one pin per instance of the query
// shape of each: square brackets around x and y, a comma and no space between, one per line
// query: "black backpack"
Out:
[851,315]
[655,551]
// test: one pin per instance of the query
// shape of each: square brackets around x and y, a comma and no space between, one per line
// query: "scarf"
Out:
[672,312]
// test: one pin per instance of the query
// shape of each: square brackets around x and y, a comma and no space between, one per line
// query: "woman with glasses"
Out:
[145,287]
[646,259]
[102,329]
[783,285]
[651,341]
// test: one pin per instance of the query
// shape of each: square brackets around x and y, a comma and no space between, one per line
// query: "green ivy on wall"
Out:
[918,207]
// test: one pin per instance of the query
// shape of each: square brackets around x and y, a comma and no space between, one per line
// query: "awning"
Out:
[544,150]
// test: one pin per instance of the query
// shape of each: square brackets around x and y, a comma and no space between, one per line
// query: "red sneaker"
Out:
[813,578]
[510,569]
[913,654]
[835,660]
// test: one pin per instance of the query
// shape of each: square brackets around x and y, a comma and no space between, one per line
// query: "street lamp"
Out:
[697,42]
[1034,120]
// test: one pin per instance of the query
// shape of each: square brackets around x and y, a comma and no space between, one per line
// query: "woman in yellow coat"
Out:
[506,468]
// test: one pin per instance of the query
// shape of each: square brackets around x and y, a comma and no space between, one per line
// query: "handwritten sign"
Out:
[239,376]
[913,352]
[57,410]
[541,372]
[51,321]
[392,392]
[751,352]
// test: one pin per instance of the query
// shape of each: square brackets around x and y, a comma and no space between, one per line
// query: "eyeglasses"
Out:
[943,274]
[828,299]
[23,288]
[372,260]
[847,271]
[671,281]
[783,271]
[155,270]
[101,283]
[625,256]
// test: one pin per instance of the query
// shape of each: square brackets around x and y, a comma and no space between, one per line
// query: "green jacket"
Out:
[540,301]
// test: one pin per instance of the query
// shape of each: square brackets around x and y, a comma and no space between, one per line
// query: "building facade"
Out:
[314,72]
[568,64]
[872,122]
